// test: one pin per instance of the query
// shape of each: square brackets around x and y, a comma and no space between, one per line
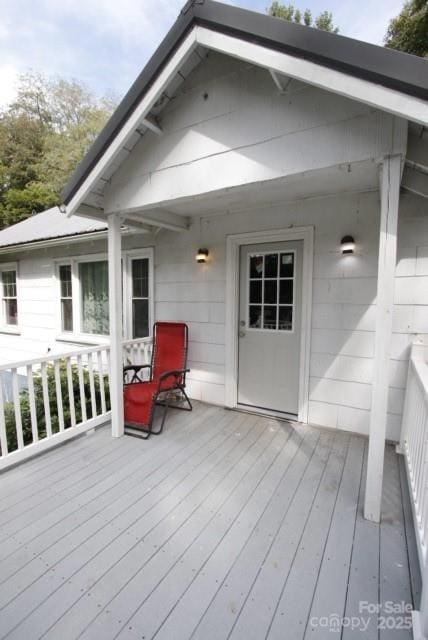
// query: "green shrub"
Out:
[40,410]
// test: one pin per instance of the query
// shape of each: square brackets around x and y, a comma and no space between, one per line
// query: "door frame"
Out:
[233,245]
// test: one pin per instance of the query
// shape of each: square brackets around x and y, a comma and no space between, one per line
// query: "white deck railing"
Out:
[414,446]
[48,400]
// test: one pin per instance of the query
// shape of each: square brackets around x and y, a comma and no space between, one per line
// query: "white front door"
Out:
[270,310]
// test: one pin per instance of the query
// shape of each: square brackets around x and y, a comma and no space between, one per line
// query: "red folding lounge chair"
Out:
[167,377]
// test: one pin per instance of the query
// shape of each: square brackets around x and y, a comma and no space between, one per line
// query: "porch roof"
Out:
[228,525]
[383,67]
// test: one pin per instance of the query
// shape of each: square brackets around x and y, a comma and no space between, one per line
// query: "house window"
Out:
[66,294]
[83,296]
[93,277]
[10,299]
[140,297]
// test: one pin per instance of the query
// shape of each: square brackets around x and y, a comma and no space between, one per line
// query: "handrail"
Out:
[47,400]
[414,447]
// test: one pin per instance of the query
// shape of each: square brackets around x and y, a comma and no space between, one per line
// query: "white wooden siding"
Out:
[230,126]
[342,339]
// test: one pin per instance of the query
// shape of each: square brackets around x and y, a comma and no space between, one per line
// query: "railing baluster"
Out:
[59,395]
[101,380]
[32,403]
[70,387]
[17,409]
[81,369]
[81,389]
[46,403]
[92,386]
[3,433]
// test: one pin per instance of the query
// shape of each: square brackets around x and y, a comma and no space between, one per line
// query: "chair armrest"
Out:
[135,368]
[173,372]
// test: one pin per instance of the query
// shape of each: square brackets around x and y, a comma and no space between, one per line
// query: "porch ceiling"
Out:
[344,178]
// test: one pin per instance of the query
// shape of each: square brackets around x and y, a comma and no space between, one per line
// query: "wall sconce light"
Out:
[347,245]
[202,256]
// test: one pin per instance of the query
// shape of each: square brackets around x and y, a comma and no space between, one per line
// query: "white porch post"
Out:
[389,196]
[115,307]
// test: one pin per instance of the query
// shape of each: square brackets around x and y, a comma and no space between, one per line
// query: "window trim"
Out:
[4,326]
[77,335]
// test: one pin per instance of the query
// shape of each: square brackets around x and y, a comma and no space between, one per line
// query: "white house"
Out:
[294,163]
[267,143]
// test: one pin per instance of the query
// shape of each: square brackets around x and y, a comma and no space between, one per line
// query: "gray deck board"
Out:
[229,525]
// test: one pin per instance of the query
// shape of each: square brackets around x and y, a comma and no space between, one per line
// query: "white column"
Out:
[115,306]
[390,180]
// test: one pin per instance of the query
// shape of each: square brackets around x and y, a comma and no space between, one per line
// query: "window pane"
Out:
[271,265]
[255,317]
[65,279]
[286,269]
[9,284]
[11,311]
[269,318]
[286,292]
[140,278]
[255,291]
[256,266]
[140,318]
[270,292]
[285,318]
[67,315]
[94,291]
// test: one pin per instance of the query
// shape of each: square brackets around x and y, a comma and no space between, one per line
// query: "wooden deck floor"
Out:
[227,526]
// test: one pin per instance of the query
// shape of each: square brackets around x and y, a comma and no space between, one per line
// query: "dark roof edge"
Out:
[54,239]
[402,72]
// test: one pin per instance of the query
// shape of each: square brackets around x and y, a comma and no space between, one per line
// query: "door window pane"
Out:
[255,291]
[269,317]
[286,292]
[271,291]
[94,297]
[256,266]
[255,320]
[285,322]
[271,265]
[286,268]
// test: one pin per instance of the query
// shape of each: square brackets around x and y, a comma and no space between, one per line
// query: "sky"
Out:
[106,43]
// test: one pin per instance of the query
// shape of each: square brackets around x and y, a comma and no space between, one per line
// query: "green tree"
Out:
[44,134]
[409,30]
[323,21]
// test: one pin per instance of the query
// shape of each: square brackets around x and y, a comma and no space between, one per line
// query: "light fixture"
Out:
[202,256]
[347,245]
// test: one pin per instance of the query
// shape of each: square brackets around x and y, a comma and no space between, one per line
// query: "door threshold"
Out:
[270,413]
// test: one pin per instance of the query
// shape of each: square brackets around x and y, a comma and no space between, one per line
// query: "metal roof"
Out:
[400,71]
[48,225]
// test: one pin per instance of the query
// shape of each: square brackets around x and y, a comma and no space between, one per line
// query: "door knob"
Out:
[242,334]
